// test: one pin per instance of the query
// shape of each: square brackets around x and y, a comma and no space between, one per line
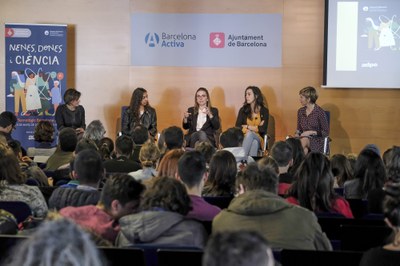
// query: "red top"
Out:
[340,205]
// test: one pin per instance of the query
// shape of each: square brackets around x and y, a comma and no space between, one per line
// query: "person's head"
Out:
[237,248]
[253,94]
[44,246]
[308,95]
[15,145]
[206,148]
[139,98]
[192,169]
[88,167]
[173,137]
[149,154]
[9,166]
[121,195]
[169,194]
[393,165]
[85,144]
[140,134]
[270,162]
[67,139]
[232,137]
[391,204]
[44,131]
[168,165]
[94,131]
[222,172]
[5,125]
[298,154]
[370,170]
[72,96]
[282,153]
[202,98]
[255,177]
[124,146]
[106,148]
[10,116]
[313,186]
[386,155]
[56,83]
[341,168]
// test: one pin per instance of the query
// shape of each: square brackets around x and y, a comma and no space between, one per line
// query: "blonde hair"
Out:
[149,154]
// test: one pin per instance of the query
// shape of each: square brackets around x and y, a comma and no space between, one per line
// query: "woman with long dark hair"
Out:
[253,120]
[202,119]
[313,187]
[139,113]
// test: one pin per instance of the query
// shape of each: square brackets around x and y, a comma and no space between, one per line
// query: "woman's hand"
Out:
[208,112]
[185,116]
[79,131]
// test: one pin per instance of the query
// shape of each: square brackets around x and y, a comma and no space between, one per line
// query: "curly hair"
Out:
[44,131]
[168,194]
[149,154]
[259,98]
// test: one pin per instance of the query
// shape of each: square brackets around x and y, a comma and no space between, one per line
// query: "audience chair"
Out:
[179,257]
[358,207]
[314,258]
[7,243]
[363,237]
[19,209]
[123,256]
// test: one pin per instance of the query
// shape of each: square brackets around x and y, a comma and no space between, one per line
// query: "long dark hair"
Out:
[298,154]
[313,187]
[136,99]
[196,105]
[258,104]
[341,169]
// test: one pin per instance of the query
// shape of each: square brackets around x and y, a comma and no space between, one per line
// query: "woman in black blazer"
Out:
[202,119]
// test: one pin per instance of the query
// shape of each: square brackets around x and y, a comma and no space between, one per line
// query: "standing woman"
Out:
[139,113]
[202,119]
[312,124]
[253,119]
[71,114]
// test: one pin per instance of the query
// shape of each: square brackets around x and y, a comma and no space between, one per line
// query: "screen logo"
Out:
[152,39]
[217,40]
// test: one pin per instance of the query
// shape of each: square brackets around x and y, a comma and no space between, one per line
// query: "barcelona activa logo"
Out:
[217,40]
[152,39]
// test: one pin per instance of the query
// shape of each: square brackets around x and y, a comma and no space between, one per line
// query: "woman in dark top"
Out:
[389,254]
[312,124]
[71,114]
[202,119]
[253,120]
[139,113]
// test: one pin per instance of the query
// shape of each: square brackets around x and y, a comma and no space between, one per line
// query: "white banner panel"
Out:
[206,40]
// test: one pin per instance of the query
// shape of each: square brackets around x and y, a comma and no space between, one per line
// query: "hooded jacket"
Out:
[160,227]
[282,224]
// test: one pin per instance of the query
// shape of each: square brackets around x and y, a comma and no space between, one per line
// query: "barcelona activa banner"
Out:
[36,64]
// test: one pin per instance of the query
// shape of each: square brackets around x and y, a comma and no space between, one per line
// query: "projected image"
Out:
[382,32]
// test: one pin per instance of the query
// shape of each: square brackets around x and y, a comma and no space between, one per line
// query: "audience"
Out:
[259,208]
[163,218]
[207,149]
[221,176]
[6,127]
[44,138]
[94,131]
[282,153]
[169,163]
[88,170]
[341,170]
[140,135]
[241,248]
[149,155]
[106,148]
[119,197]
[58,242]
[313,188]
[122,163]
[192,172]
[298,154]
[65,149]
[12,184]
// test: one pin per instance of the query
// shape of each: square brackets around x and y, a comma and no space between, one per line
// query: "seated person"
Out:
[281,152]
[238,249]
[44,138]
[192,172]
[231,140]
[64,153]
[163,218]
[13,187]
[122,163]
[259,208]
[120,196]
[140,135]
[8,122]
[89,171]
[149,155]
[313,187]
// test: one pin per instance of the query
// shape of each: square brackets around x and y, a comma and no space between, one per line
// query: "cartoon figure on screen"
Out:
[17,87]
[44,92]
[382,35]
[56,95]
[32,93]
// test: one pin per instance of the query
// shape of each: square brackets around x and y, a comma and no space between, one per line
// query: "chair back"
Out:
[314,258]
[19,209]
[363,237]
[179,257]
[123,256]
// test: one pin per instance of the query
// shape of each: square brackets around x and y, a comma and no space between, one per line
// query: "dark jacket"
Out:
[148,120]
[121,165]
[264,114]
[63,197]
[68,118]
[209,127]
